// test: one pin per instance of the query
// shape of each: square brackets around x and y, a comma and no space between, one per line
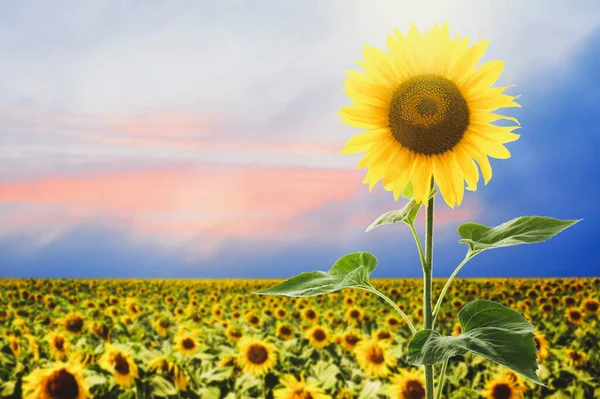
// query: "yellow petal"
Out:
[484,77]
[420,175]
[442,179]
[468,168]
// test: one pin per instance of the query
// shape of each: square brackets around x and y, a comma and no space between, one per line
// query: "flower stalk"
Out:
[427,286]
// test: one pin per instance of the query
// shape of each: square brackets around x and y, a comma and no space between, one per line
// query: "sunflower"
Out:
[427,114]
[285,331]
[457,329]
[15,346]
[256,356]
[392,322]
[542,347]
[503,387]
[253,320]
[576,358]
[318,336]
[349,339]
[82,358]
[234,333]
[373,358]
[294,389]
[101,331]
[74,323]
[574,316]
[186,344]
[590,306]
[354,314]
[172,370]
[162,324]
[58,345]
[120,364]
[383,335]
[407,385]
[310,315]
[62,381]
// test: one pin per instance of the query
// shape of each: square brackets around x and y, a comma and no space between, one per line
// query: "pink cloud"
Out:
[176,206]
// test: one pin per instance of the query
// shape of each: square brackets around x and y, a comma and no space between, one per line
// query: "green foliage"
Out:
[350,271]
[490,330]
[521,230]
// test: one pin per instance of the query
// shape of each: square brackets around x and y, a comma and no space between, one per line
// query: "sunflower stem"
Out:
[427,287]
[441,380]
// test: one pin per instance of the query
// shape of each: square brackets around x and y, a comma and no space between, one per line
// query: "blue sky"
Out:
[148,140]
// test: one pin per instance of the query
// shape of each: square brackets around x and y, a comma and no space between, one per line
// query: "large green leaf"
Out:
[408,214]
[490,330]
[351,270]
[521,230]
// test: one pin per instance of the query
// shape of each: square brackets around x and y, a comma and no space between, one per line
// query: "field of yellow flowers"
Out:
[215,339]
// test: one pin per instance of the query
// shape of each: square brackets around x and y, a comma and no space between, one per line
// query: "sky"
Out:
[201,138]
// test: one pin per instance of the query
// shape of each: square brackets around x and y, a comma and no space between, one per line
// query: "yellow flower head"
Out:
[294,389]
[256,356]
[120,364]
[373,358]
[407,385]
[60,381]
[428,114]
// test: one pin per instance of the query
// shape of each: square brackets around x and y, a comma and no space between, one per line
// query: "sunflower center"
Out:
[537,342]
[575,315]
[352,339]
[376,355]
[319,335]
[310,314]
[188,343]
[257,354]
[591,306]
[75,324]
[59,343]
[62,385]
[285,330]
[414,390]
[502,391]
[384,335]
[428,114]
[121,364]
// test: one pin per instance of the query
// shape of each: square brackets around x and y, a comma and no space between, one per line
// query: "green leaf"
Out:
[408,214]
[521,230]
[351,270]
[490,330]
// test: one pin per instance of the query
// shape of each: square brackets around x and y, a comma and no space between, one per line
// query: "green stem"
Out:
[427,287]
[438,304]
[418,242]
[393,304]
[441,380]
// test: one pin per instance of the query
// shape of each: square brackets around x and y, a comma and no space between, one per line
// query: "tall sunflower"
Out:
[428,114]
[62,381]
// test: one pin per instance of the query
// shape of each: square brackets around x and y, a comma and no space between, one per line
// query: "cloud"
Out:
[178,207]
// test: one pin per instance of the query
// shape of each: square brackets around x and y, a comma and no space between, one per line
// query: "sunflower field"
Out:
[215,339]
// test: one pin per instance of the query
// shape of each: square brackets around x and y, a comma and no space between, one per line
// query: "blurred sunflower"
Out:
[373,358]
[354,314]
[349,339]
[73,323]
[542,347]
[294,389]
[428,114]
[285,331]
[574,316]
[310,315]
[503,387]
[576,358]
[186,343]
[383,335]
[172,370]
[590,306]
[120,364]
[61,381]
[256,356]
[318,336]
[407,385]
[234,333]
